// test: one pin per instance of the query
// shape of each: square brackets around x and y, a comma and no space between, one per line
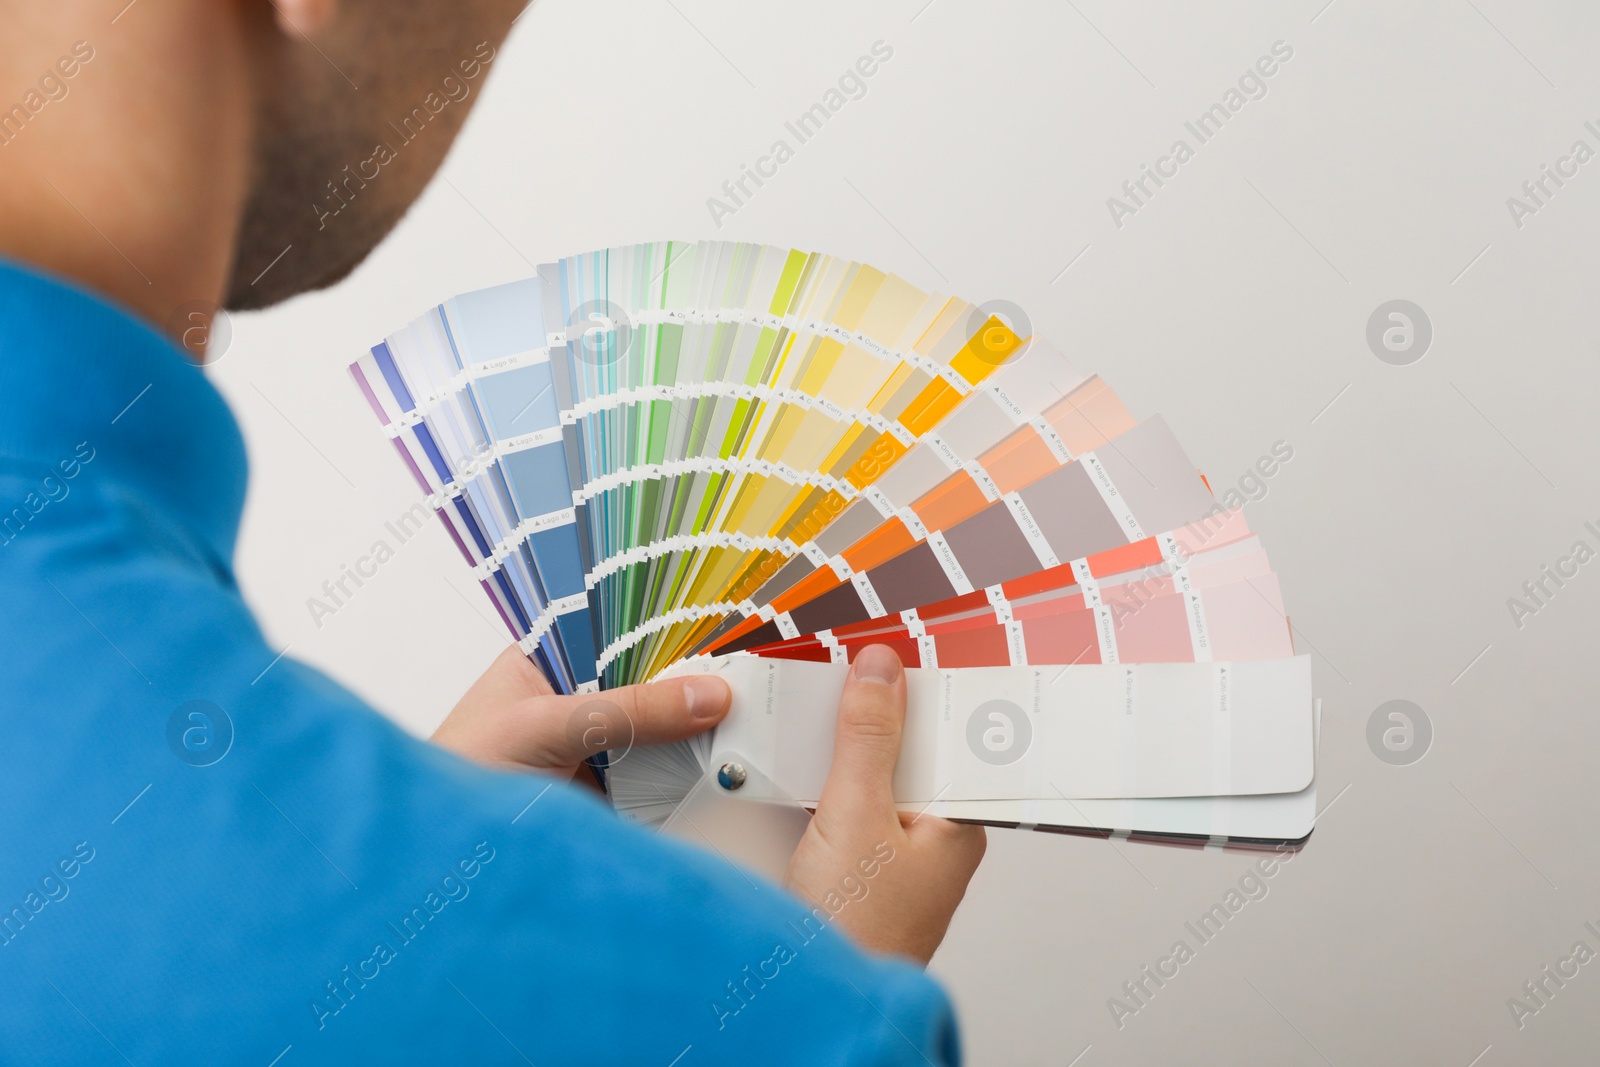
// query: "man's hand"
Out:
[511,717]
[900,875]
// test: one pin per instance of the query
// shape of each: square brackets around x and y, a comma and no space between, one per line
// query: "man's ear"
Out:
[304,17]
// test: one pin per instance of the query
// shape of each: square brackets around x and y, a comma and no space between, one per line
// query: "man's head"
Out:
[355,104]
[174,155]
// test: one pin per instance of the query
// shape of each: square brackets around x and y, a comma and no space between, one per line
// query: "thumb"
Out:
[872,712]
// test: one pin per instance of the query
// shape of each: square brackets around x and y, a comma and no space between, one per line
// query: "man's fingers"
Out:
[866,744]
[511,716]
[565,730]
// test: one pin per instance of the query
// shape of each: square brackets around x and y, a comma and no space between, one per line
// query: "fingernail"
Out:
[705,697]
[877,663]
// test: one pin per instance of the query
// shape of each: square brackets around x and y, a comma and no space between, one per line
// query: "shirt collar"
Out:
[75,368]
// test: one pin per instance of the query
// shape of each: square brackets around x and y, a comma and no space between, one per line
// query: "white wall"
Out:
[1235,303]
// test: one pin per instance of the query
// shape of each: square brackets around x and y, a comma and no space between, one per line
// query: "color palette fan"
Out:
[755,461]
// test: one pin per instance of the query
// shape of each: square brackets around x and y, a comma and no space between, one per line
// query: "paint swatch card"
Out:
[746,458]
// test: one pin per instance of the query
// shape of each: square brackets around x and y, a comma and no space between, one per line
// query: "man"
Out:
[214,855]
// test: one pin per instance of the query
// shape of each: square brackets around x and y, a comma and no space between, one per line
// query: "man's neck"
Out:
[111,174]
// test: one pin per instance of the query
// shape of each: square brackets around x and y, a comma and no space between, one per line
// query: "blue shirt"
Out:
[211,855]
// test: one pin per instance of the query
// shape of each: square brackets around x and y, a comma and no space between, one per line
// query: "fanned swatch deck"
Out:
[756,461]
